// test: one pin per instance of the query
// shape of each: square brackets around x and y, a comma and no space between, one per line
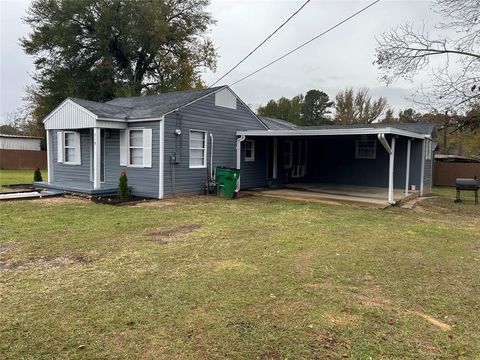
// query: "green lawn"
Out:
[252,278]
[18,176]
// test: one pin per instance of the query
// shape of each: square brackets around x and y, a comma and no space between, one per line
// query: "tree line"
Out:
[348,107]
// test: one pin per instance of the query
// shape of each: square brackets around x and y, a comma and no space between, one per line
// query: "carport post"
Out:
[239,158]
[96,158]
[407,172]
[391,199]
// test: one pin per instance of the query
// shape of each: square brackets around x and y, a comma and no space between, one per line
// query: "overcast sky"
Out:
[343,58]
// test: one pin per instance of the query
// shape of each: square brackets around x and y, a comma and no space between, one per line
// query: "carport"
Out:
[386,164]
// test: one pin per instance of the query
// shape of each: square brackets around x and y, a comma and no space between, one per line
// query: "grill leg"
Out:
[476,197]
[457,199]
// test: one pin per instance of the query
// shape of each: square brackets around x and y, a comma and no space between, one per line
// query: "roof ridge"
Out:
[168,92]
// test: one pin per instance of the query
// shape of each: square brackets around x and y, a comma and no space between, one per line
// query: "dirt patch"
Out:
[433,321]
[46,262]
[378,301]
[61,200]
[154,204]
[165,236]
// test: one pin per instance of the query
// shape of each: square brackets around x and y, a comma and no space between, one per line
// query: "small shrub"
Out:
[37,175]
[123,192]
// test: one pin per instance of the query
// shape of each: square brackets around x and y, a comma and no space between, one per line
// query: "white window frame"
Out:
[290,152]
[428,150]
[65,147]
[252,150]
[204,165]
[370,157]
[129,164]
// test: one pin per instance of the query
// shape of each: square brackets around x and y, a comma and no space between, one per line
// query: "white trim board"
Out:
[329,132]
[161,160]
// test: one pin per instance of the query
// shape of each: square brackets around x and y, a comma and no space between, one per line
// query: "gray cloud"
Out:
[343,58]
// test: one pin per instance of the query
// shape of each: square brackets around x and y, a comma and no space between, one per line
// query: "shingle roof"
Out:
[420,128]
[103,109]
[143,107]
[277,124]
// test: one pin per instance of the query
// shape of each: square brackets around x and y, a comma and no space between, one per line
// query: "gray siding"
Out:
[254,173]
[72,173]
[143,181]
[221,122]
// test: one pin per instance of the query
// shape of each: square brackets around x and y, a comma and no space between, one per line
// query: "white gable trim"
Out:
[63,103]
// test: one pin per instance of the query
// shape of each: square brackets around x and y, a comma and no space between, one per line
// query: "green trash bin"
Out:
[226,179]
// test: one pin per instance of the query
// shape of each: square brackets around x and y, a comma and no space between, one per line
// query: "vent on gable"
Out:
[226,99]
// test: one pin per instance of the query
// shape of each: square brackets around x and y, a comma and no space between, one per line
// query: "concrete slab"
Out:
[335,194]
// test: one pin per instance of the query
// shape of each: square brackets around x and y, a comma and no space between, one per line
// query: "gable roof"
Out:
[103,110]
[144,107]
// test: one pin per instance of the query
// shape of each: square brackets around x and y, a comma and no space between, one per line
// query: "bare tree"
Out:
[358,108]
[452,54]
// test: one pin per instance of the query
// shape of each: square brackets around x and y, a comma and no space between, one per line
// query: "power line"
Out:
[263,42]
[306,43]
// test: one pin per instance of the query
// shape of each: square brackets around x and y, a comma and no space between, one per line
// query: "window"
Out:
[428,150]
[69,148]
[366,149]
[198,149]
[249,150]
[135,148]
[288,154]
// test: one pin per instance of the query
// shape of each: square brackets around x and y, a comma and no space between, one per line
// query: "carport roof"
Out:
[332,130]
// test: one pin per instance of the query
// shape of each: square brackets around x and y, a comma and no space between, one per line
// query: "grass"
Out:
[18,176]
[257,278]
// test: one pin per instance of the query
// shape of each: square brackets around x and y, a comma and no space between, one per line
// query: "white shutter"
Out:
[147,148]
[123,147]
[60,146]
[78,150]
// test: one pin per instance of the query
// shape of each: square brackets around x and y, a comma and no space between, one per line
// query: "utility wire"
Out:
[263,42]
[307,42]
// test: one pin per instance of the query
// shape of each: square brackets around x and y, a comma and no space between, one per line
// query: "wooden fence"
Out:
[445,173]
[22,159]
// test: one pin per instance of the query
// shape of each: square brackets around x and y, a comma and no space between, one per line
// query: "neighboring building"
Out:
[19,142]
[21,152]
[171,143]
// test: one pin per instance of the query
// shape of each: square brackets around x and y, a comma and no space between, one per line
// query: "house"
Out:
[171,143]
[21,152]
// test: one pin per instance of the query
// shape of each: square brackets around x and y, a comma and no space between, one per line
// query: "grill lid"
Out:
[467,182]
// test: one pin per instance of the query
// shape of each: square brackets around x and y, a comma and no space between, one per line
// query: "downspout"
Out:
[212,171]
[239,147]
[390,150]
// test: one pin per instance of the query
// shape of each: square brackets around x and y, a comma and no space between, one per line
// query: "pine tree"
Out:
[37,175]
[123,192]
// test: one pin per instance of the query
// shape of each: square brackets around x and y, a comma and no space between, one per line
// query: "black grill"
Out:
[467,185]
